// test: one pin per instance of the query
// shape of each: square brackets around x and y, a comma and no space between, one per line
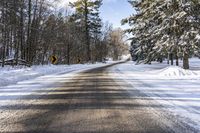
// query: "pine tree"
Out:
[165,29]
[87,15]
[31,31]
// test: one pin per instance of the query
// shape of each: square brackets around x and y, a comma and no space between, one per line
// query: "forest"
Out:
[164,29]
[31,31]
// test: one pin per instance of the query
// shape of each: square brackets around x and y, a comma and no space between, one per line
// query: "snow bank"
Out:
[177,72]
[162,70]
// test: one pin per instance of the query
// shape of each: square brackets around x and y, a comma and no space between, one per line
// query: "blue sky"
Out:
[115,10]
[112,10]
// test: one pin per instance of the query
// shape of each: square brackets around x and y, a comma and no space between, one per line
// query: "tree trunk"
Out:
[28,49]
[161,60]
[3,34]
[3,53]
[168,58]
[186,60]
[172,59]
[177,60]
[16,43]
[21,34]
[68,53]
[87,31]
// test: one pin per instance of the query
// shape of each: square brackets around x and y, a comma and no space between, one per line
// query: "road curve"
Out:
[91,102]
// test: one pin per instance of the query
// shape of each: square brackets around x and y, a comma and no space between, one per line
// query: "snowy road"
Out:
[89,102]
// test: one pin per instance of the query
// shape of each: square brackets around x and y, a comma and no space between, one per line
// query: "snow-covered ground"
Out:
[10,75]
[176,89]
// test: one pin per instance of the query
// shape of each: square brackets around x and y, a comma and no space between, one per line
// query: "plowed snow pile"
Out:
[178,72]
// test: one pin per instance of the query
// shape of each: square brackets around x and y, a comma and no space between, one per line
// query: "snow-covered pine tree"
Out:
[182,28]
[144,23]
[190,30]
[165,27]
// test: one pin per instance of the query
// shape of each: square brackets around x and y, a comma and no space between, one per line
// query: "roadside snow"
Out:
[38,80]
[176,89]
[9,75]
[177,72]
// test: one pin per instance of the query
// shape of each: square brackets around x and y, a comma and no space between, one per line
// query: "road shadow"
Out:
[90,92]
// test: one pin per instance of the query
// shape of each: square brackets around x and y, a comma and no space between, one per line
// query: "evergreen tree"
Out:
[165,29]
[87,15]
[31,31]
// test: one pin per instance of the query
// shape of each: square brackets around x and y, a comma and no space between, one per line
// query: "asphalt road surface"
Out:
[91,102]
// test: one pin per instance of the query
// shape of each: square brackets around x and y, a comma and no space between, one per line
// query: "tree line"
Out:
[33,30]
[165,30]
